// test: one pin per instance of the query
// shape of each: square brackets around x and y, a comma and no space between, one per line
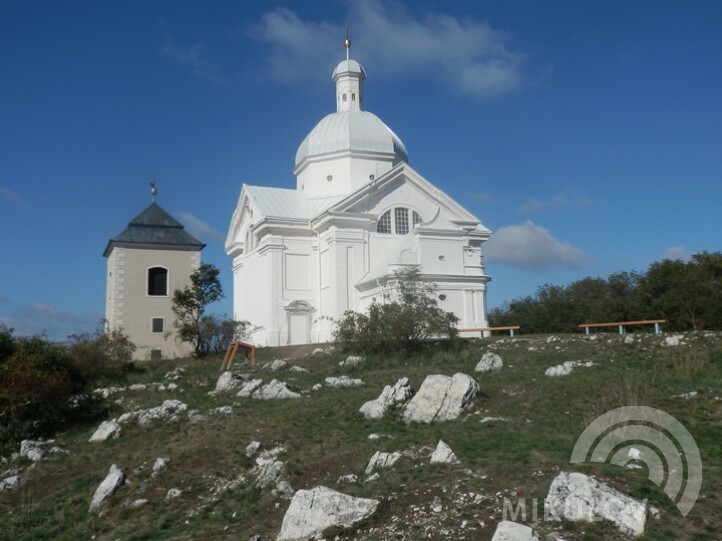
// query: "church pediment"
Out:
[403,186]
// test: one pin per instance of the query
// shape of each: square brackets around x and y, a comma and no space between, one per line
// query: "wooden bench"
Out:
[623,324]
[482,330]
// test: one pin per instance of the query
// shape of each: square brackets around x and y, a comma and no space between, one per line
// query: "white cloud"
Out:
[197,58]
[532,247]
[465,53]
[676,252]
[10,196]
[200,229]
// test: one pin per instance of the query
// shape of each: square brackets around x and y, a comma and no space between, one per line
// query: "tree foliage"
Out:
[45,386]
[403,321]
[189,305]
[688,294]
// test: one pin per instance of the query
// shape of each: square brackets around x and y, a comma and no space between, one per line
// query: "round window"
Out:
[442,297]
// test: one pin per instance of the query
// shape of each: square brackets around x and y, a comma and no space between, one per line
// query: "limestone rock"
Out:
[343,381]
[298,369]
[348,479]
[352,360]
[249,388]
[275,366]
[578,497]
[511,531]
[275,389]
[112,482]
[270,472]
[400,393]
[160,464]
[195,416]
[9,480]
[138,387]
[107,429]
[229,381]
[173,493]
[673,340]
[37,450]
[252,448]
[441,398]
[312,511]
[489,362]
[566,368]
[170,410]
[223,410]
[443,454]
[381,460]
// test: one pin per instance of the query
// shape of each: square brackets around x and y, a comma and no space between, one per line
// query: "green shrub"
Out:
[406,318]
[101,357]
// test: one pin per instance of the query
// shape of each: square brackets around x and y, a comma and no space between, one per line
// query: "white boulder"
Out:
[343,381]
[578,497]
[249,388]
[107,429]
[673,340]
[566,368]
[441,398]
[112,482]
[512,531]
[489,362]
[443,454]
[381,460]
[275,389]
[312,511]
[36,450]
[170,410]
[400,393]
[160,464]
[352,360]
[229,381]
[10,479]
[275,365]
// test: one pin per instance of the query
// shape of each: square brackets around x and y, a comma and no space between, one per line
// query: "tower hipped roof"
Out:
[154,226]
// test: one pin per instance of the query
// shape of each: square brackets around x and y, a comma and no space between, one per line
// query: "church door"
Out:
[299,322]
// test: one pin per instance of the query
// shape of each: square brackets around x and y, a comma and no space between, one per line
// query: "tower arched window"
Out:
[158,282]
[399,225]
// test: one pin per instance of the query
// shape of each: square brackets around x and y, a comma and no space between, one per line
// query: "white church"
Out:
[304,256]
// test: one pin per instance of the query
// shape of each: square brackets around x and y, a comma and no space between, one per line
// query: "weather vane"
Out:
[153,190]
[347,41]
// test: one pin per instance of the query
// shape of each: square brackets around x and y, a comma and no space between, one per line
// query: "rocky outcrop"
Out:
[441,398]
[489,362]
[275,389]
[343,381]
[381,460]
[443,454]
[9,480]
[249,387]
[566,368]
[312,511]
[391,396]
[511,531]
[160,464]
[37,450]
[106,430]
[112,482]
[352,360]
[270,472]
[170,410]
[230,381]
[275,366]
[578,497]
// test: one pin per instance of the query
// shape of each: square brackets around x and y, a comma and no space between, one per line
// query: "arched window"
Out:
[400,223]
[344,97]
[384,225]
[158,282]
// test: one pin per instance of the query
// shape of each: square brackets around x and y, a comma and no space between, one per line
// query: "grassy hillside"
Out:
[325,437]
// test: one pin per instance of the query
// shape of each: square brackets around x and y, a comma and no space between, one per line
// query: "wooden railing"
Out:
[623,324]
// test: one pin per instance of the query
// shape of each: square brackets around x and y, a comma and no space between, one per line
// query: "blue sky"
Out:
[587,135]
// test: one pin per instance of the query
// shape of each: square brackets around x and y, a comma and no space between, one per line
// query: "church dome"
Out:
[350,128]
